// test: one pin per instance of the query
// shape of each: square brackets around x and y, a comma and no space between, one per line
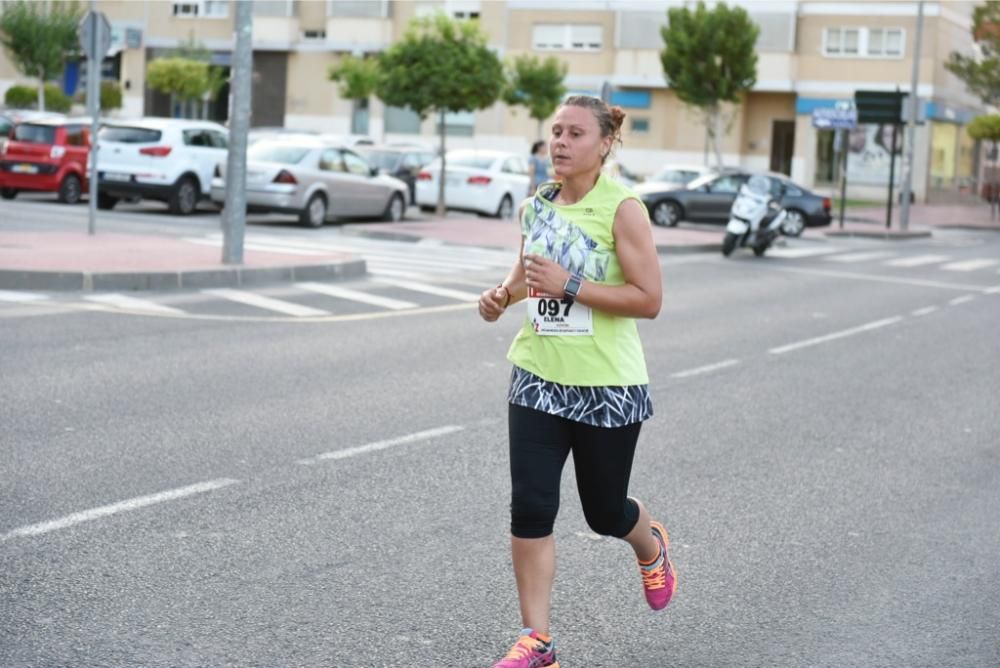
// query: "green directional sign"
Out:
[879,106]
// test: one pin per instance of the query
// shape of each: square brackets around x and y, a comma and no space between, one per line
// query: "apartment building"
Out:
[811,54]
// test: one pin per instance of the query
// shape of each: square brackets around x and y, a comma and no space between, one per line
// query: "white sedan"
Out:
[492,183]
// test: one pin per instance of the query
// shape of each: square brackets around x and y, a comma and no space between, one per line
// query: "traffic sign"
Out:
[95,24]
[832,118]
[877,106]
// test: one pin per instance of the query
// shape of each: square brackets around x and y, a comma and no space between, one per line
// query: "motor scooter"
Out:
[755,218]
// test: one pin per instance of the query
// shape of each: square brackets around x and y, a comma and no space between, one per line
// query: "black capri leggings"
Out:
[602,457]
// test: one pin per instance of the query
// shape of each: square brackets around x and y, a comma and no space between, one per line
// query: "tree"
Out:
[358,79]
[535,84]
[981,72]
[440,66]
[38,37]
[186,80]
[710,59]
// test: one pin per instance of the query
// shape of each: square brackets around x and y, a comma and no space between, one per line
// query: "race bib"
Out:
[551,316]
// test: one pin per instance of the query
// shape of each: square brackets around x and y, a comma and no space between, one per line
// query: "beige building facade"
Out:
[811,55]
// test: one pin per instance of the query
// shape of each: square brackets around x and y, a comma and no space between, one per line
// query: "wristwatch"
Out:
[572,287]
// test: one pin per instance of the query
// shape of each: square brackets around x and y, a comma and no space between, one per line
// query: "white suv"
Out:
[165,159]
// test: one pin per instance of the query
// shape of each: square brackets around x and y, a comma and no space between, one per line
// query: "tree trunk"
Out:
[41,94]
[712,120]
[440,205]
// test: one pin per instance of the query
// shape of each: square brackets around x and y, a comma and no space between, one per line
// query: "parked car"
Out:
[402,162]
[492,183]
[273,132]
[617,170]
[165,159]
[47,155]
[709,199]
[316,180]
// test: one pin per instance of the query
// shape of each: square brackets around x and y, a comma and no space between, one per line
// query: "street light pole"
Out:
[235,213]
[94,109]
[911,124]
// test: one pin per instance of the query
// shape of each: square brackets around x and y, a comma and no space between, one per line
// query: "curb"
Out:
[885,236]
[93,281]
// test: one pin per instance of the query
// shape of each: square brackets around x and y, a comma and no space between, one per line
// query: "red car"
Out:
[48,155]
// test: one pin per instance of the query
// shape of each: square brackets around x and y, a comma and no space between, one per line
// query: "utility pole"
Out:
[911,124]
[234,217]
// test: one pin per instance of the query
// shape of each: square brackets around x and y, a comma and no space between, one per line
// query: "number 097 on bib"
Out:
[553,316]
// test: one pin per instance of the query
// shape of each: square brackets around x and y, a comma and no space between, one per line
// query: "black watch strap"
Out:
[572,287]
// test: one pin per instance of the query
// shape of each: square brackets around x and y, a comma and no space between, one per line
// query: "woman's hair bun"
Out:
[617,116]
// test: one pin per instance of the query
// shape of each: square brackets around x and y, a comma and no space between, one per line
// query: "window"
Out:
[640,125]
[726,184]
[330,161]
[471,16]
[217,139]
[356,165]
[218,9]
[864,42]
[196,138]
[74,135]
[515,166]
[402,121]
[35,134]
[314,34]
[568,37]
[127,135]
[885,42]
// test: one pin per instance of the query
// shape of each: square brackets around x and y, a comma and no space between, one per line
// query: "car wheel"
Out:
[395,209]
[667,213]
[314,215]
[70,189]
[106,202]
[506,208]
[729,243]
[184,198]
[8,193]
[793,224]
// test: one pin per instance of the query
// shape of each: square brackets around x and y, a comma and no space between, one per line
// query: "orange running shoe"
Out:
[659,579]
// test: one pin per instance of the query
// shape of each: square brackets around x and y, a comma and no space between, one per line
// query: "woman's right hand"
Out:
[492,303]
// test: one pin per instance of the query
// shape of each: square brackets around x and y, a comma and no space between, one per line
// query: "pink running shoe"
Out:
[659,578]
[530,651]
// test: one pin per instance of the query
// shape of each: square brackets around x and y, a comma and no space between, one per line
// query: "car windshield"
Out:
[470,160]
[35,134]
[281,153]
[673,176]
[386,160]
[702,180]
[129,135]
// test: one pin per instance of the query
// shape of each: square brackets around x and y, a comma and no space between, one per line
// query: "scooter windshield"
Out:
[759,185]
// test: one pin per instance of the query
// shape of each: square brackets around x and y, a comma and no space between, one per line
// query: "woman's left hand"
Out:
[544,275]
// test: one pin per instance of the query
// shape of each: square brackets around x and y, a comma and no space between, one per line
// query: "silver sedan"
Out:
[315,180]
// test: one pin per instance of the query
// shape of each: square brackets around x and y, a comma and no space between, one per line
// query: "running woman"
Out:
[587,269]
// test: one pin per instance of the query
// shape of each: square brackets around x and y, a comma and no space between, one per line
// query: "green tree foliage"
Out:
[981,72]
[185,79]
[38,38]
[358,77]
[26,97]
[710,60]
[535,84]
[441,65]
[985,127]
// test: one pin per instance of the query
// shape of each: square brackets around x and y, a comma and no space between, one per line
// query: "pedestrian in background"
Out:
[588,268]
[538,166]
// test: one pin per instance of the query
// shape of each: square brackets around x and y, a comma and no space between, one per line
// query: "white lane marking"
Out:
[379,265]
[121,506]
[268,303]
[21,297]
[924,311]
[961,300]
[432,289]
[859,257]
[708,368]
[396,248]
[356,296]
[917,260]
[375,270]
[382,445]
[992,291]
[835,335]
[801,252]
[969,265]
[268,248]
[965,287]
[130,303]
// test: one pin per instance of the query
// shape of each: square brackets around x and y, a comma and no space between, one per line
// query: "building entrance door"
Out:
[782,146]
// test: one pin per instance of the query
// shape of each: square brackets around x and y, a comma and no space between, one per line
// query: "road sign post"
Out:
[883,107]
[841,119]
[95,40]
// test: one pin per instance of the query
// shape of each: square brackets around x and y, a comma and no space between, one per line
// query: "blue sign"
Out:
[831,118]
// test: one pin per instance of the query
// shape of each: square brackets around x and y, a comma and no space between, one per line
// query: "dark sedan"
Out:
[402,162]
[709,198]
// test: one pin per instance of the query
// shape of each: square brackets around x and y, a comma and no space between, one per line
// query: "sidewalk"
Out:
[79,262]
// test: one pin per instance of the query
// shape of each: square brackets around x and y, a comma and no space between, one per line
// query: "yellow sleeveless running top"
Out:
[580,238]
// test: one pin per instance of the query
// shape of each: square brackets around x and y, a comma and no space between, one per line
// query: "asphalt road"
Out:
[222,492]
